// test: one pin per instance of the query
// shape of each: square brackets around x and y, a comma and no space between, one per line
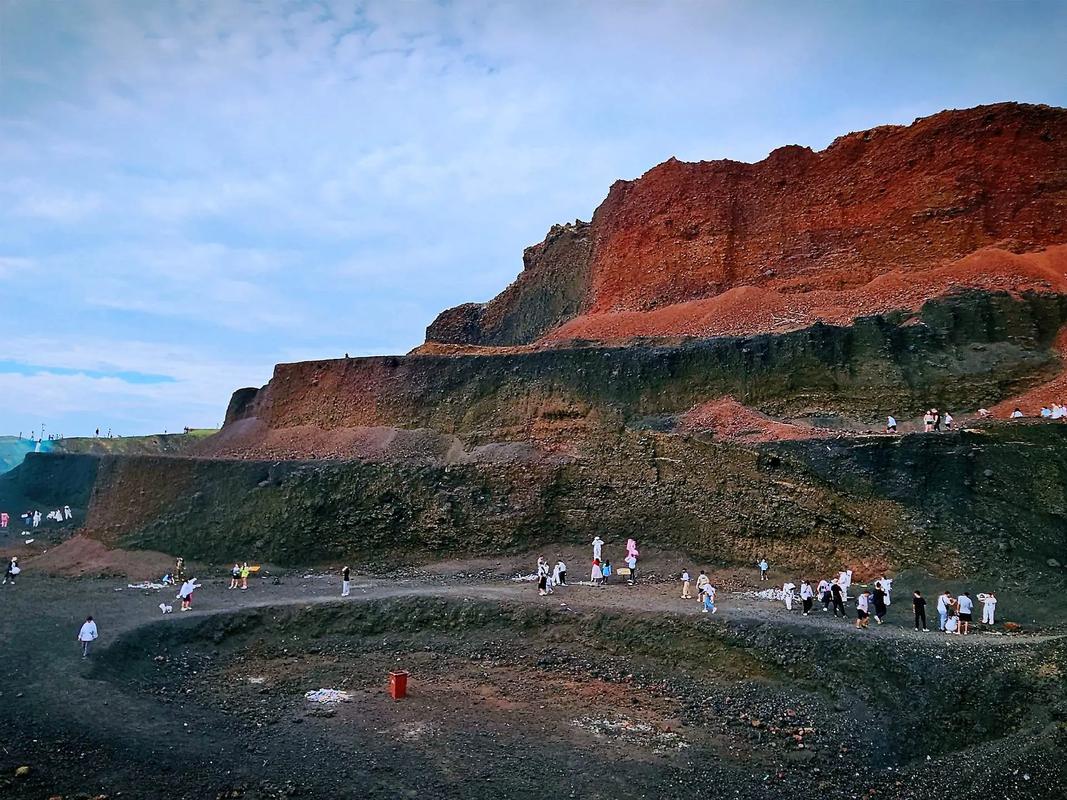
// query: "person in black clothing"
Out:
[879,602]
[837,597]
[346,581]
[918,602]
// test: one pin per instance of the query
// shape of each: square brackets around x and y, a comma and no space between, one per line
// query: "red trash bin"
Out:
[398,684]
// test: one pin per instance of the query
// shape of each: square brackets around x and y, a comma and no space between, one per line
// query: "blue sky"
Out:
[194,191]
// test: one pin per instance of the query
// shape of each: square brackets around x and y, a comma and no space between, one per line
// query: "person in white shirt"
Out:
[544,585]
[966,607]
[891,424]
[989,607]
[862,614]
[952,625]
[185,594]
[562,578]
[887,587]
[631,562]
[87,634]
[807,595]
[824,594]
[598,545]
[702,581]
[554,580]
[685,585]
[1016,414]
[844,580]
[67,513]
[944,607]
[948,420]
[707,594]
[787,595]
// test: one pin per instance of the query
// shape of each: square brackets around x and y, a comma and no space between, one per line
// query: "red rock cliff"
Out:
[879,220]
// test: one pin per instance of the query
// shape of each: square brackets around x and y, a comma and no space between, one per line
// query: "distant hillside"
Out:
[13,449]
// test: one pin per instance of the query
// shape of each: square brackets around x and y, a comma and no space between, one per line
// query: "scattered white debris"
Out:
[30,541]
[327,696]
[144,585]
[255,679]
[767,594]
[525,578]
[632,732]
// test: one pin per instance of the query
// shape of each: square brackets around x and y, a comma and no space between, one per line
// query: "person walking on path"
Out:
[989,607]
[966,608]
[824,594]
[707,594]
[346,581]
[12,571]
[87,634]
[879,602]
[702,581]
[787,594]
[862,607]
[245,572]
[837,598]
[185,594]
[685,585]
[944,606]
[763,567]
[235,576]
[918,603]
[807,595]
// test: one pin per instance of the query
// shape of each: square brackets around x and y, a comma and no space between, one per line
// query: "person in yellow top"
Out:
[245,572]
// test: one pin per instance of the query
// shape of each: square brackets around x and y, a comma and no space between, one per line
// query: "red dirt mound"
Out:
[80,556]
[728,419]
[770,309]
[1053,391]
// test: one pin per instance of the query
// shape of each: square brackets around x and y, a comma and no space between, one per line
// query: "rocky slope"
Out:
[873,222]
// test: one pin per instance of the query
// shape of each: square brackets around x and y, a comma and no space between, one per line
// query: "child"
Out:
[763,567]
[606,570]
[708,594]
[685,585]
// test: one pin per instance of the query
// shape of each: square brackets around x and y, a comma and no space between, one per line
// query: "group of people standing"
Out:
[549,576]
[705,591]
[32,519]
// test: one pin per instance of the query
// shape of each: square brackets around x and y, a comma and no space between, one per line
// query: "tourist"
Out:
[179,570]
[966,608]
[918,604]
[685,585]
[346,581]
[891,424]
[235,576]
[862,606]
[787,595]
[887,586]
[845,580]
[928,421]
[5,518]
[561,573]
[245,572]
[1017,414]
[952,625]
[702,581]
[554,578]
[87,634]
[542,577]
[948,420]
[13,569]
[807,594]
[1046,412]
[937,420]
[1058,411]
[824,594]
[36,518]
[879,602]
[67,513]
[598,545]
[596,576]
[708,596]
[185,594]
[989,607]
[606,569]
[763,567]
[631,564]
[837,598]
[944,607]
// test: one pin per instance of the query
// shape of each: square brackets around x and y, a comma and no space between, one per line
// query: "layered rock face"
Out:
[870,224]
